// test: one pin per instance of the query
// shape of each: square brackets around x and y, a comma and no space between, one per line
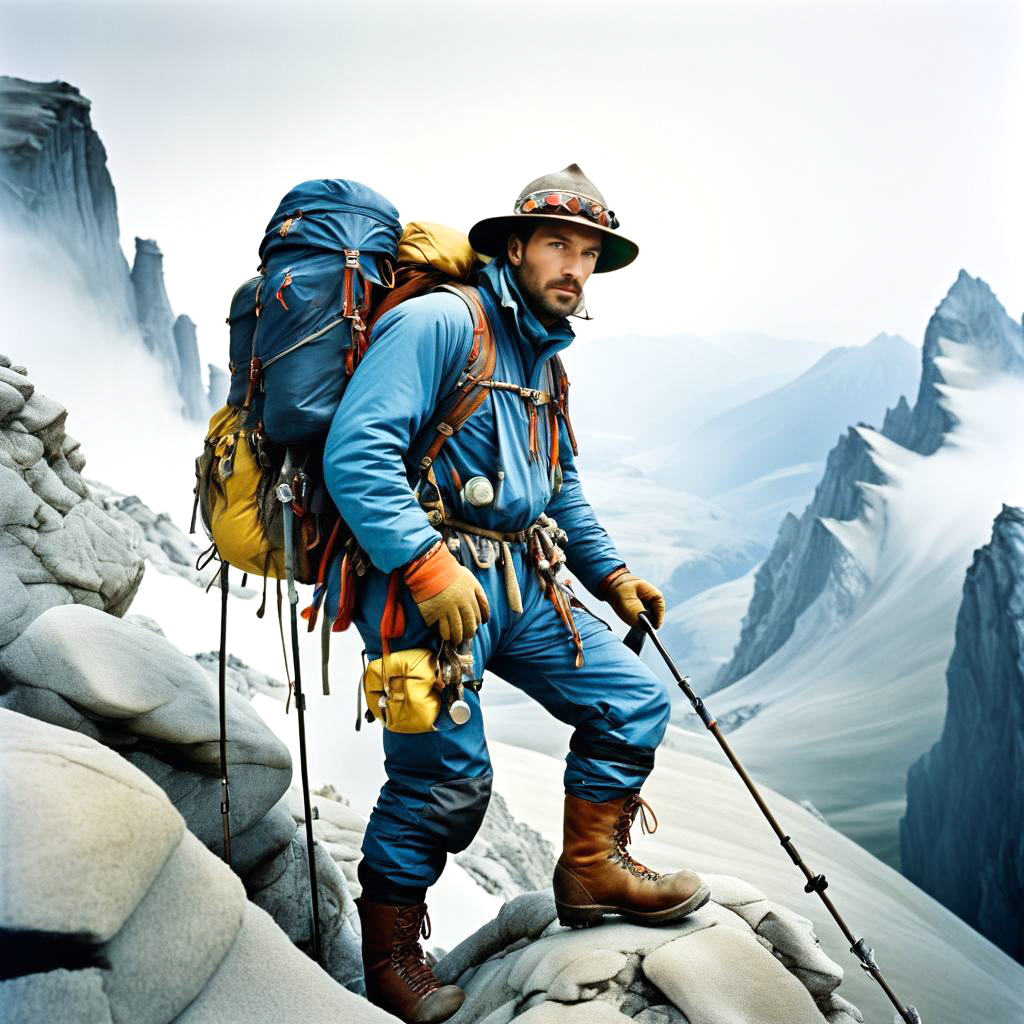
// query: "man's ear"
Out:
[515,250]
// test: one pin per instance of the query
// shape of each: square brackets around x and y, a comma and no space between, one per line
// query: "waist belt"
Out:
[541,538]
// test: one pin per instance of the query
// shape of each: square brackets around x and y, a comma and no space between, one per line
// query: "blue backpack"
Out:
[328,246]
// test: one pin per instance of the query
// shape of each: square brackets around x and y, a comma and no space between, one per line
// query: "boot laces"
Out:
[407,953]
[623,833]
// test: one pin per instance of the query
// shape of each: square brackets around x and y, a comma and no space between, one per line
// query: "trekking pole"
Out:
[225,804]
[285,496]
[634,640]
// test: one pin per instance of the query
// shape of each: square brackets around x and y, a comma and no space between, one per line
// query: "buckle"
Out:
[352,258]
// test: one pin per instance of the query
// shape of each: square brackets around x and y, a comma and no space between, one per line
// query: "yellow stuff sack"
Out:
[233,496]
[405,695]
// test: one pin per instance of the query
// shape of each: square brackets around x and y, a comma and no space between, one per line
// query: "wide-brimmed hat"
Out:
[567,195]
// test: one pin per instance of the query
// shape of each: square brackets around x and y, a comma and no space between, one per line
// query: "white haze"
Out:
[121,404]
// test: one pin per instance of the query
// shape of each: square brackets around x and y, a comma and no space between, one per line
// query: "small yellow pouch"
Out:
[405,694]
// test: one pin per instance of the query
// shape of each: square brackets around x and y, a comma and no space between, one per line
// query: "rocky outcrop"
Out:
[740,958]
[56,545]
[507,857]
[132,690]
[962,839]
[55,186]
[808,558]
[106,926]
[243,678]
[154,537]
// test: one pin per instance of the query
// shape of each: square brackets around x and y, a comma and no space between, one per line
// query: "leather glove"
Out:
[629,596]
[448,593]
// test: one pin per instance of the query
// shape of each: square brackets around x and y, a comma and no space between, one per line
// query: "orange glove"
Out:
[447,593]
[629,596]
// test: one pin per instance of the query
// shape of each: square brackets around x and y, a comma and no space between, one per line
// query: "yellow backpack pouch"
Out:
[233,477]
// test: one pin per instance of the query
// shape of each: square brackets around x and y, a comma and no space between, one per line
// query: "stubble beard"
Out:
[541,298]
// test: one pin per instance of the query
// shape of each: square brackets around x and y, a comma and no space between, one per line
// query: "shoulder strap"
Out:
[561,392]
[468,395]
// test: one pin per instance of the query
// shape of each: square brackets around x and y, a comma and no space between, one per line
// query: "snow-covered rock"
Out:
[807,557]
[56,544]
[111,927]
[851,625]
[741,958]
[962,838]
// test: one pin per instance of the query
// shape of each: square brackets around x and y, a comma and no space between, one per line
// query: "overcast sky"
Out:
[817,170]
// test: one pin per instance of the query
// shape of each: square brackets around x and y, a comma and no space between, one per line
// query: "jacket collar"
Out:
[499,279]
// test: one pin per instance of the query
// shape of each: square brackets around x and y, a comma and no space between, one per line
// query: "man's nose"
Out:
[573,268]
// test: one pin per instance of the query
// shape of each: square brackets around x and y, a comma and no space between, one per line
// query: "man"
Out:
[511,462]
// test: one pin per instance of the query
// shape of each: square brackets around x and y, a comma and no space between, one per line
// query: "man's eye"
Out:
[557,245]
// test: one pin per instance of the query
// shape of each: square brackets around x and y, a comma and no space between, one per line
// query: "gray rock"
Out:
[142,692]
[56,546]
[711,967]
[793,936]
[167,919]
[100,806]
[243,678]
[281,888]
[507,857]
[721,976]
[11,401]
[145,622]
[72,997]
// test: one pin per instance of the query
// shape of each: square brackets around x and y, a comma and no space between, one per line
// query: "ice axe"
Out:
[634,640]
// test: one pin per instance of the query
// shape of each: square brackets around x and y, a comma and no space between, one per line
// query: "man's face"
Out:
[553,266]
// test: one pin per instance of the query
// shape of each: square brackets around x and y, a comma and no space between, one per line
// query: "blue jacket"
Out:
[419,349]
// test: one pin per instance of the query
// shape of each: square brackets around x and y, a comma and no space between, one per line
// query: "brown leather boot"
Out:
[398,977]
[596,875]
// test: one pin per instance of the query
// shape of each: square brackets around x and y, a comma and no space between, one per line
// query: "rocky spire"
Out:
[960,840]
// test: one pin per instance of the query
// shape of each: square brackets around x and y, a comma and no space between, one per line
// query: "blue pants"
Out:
[439,782]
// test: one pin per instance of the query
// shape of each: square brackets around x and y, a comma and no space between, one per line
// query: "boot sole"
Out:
[593,914]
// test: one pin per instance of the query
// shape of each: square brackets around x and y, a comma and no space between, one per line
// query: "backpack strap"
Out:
[469,394]
[561,391]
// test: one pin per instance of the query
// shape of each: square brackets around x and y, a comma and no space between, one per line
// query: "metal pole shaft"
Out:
[225,802]
[815,883]
[284,494]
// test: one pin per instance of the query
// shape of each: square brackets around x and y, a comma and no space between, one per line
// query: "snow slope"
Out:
[708,821]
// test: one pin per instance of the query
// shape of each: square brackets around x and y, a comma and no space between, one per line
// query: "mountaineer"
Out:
[464,548]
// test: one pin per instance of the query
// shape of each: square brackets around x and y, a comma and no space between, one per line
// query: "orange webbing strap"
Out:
[483,357]
[392,621]
[346,597]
